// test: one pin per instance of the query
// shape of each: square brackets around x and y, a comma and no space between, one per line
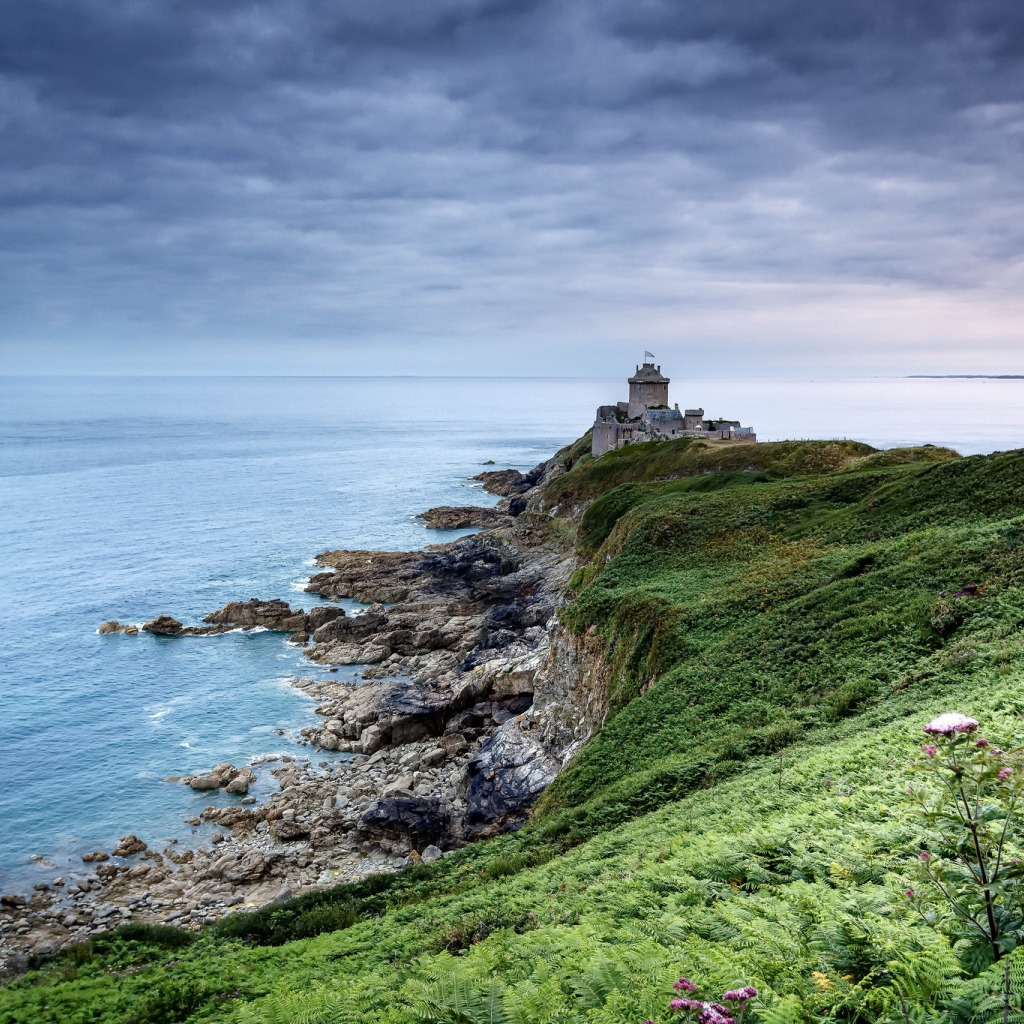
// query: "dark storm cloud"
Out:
[458,182]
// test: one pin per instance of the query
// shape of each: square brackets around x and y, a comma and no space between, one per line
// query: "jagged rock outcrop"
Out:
[163,625]
[506,481]
[274,614]
[570,696]
[372,577]
[426,821]
[448,517]
[128,845]
[225,776]
[504,777]
[113,626]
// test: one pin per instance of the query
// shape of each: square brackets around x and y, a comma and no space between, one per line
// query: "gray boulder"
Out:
[240,866]
[424,820]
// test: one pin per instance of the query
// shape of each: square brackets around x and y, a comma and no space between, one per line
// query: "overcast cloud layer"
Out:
[478,186]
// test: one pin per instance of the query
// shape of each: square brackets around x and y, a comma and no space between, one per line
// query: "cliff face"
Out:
[570,695]
[567,678]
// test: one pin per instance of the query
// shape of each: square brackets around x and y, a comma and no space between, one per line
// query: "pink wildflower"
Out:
[949,723]
[930,749]
[925,856]
[685,985]
[689,1005]
[749,991]
[1006,773]
[736,995]
[909,893]
[715,1014]
[981,742]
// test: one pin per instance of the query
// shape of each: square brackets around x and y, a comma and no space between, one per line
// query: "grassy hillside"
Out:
[782,619]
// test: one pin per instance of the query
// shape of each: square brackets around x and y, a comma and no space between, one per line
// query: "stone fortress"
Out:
[647,416]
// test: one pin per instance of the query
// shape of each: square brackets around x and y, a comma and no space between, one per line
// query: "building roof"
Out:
[662,415]
[648,374]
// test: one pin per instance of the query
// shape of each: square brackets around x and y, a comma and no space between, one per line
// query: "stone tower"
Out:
[647,388]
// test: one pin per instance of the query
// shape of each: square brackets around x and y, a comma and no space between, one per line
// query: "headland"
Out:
[688,669]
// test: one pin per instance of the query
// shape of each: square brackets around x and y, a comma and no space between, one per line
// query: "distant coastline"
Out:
[965,376]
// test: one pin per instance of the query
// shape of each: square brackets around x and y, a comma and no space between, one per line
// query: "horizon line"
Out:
[485,376]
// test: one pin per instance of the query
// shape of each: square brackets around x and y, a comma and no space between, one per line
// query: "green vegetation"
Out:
[779,621]
[691,457]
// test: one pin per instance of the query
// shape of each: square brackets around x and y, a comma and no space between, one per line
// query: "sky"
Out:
[745,188]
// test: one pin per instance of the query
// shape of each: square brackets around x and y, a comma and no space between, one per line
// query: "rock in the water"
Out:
[240,784]
[225,775]
[163,625]
[129,844]
[321,614]
[95,857]
[231,817]
[274,614]
[460,517]
[202,782]
[503,481]
[113,626]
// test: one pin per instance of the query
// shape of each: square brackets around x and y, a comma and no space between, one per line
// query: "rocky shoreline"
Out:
[472,699]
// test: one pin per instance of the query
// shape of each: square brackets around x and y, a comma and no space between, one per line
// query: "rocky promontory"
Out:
[471,699]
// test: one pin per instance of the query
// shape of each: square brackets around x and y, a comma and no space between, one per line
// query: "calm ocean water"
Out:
[124,498]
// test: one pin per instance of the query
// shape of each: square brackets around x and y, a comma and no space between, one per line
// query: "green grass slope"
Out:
[779,628]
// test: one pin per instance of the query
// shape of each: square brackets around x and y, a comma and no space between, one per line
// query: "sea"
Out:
[127,497]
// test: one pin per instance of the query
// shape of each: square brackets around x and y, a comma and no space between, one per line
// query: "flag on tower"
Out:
[648,357]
